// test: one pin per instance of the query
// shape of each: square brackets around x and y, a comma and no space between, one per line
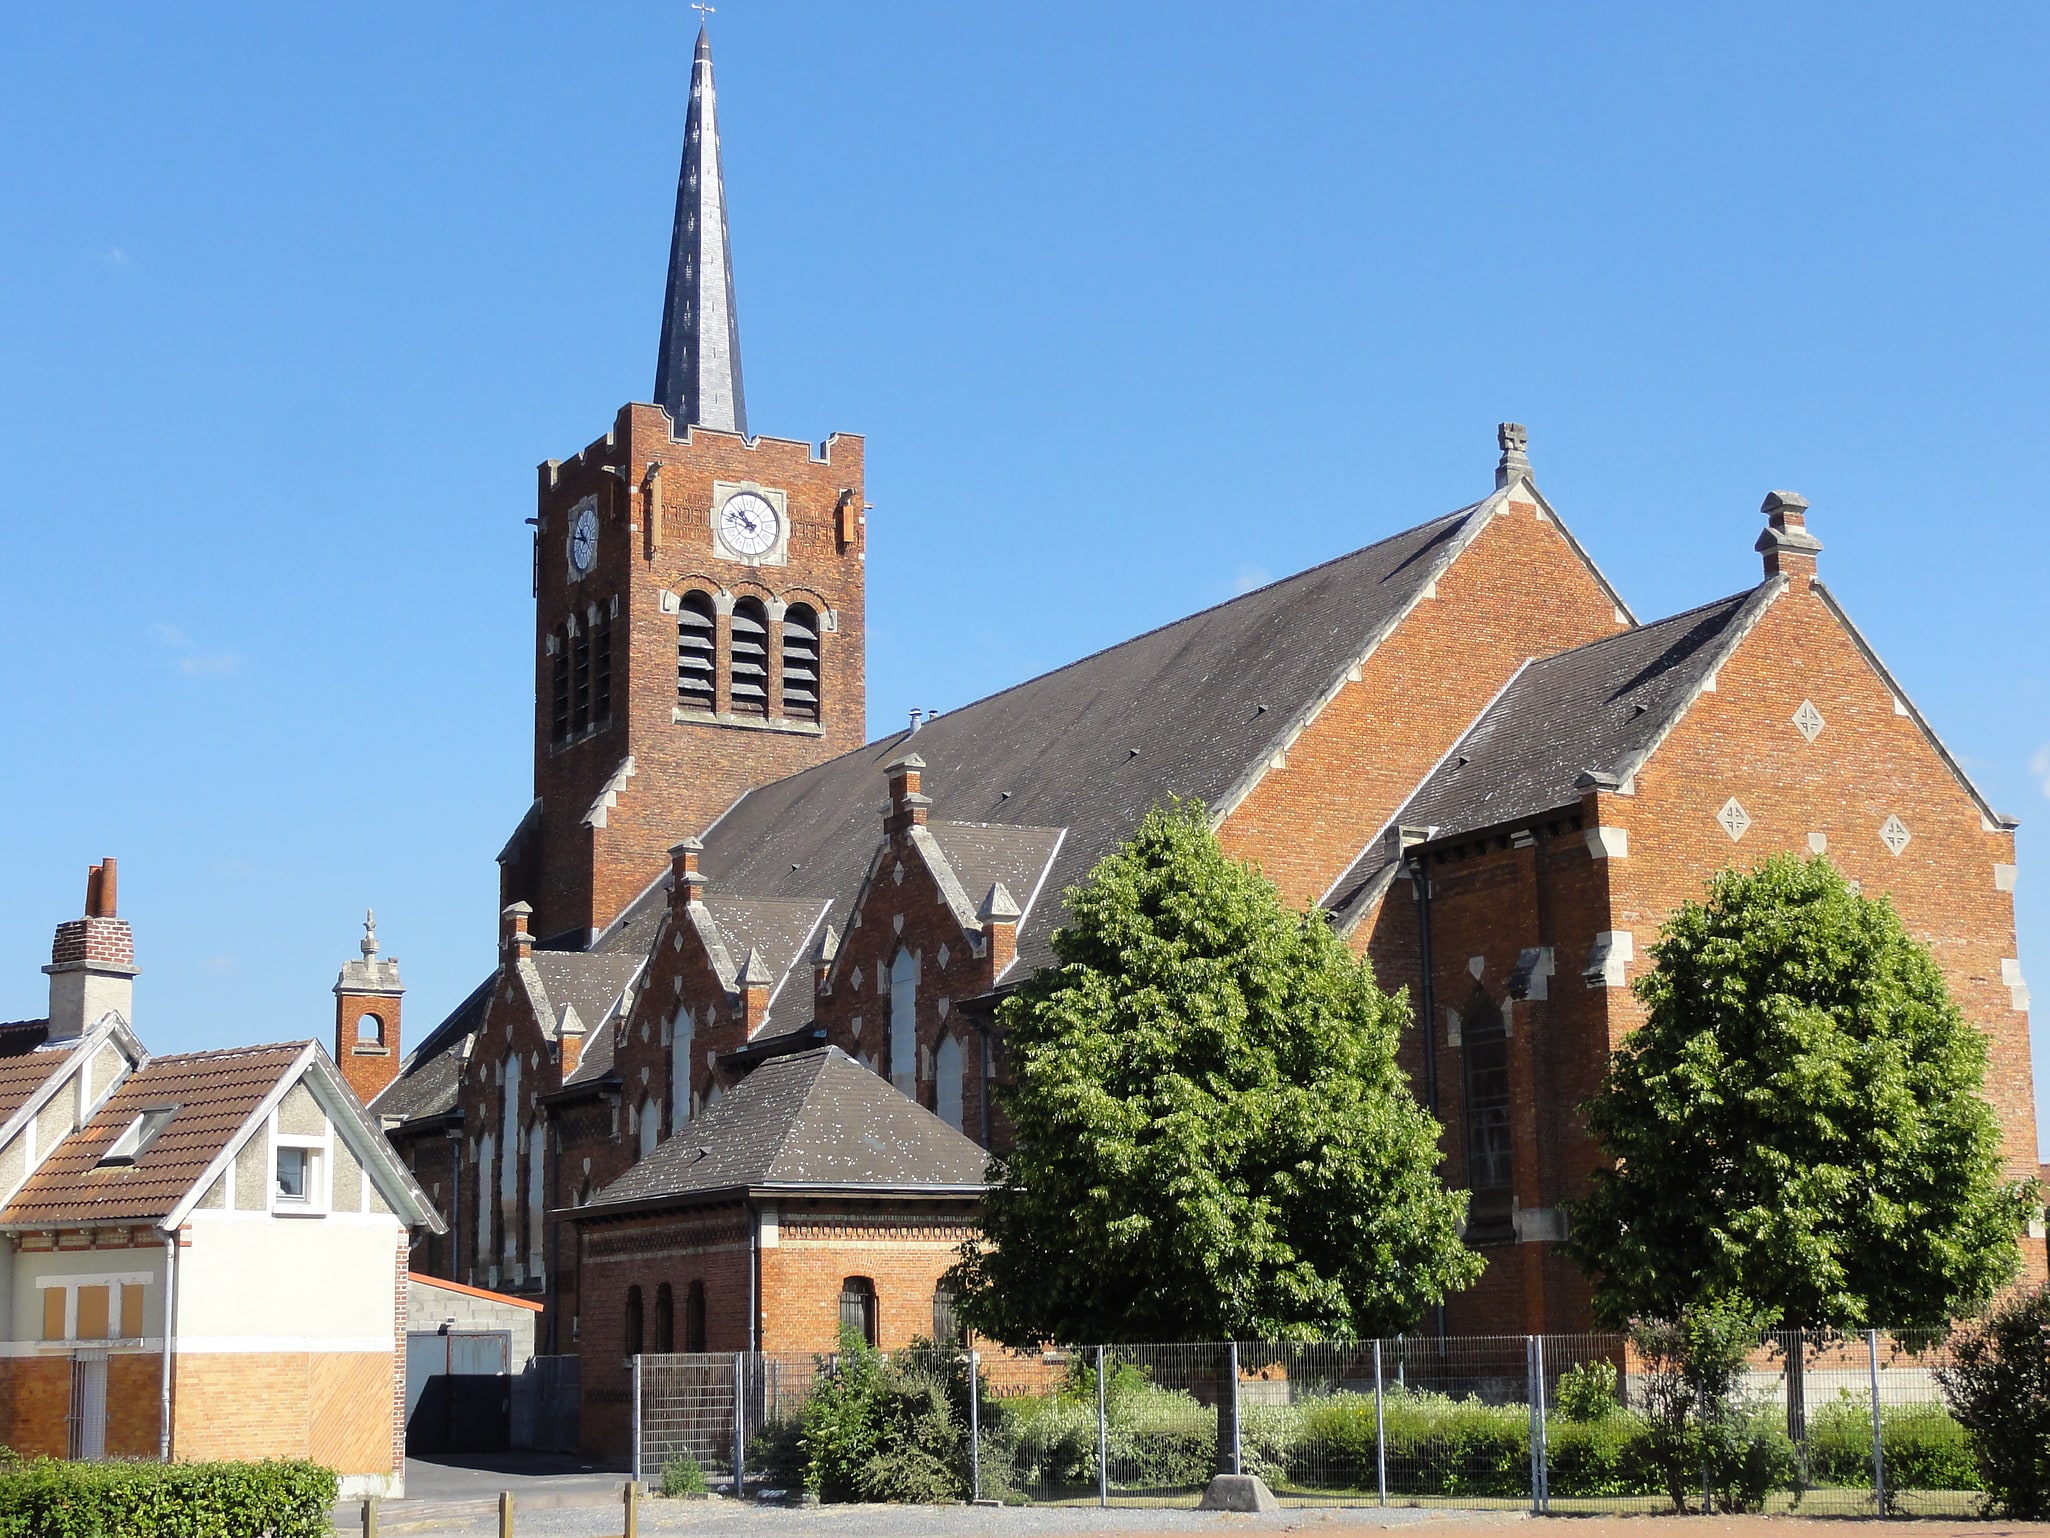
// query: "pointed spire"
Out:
[697,371]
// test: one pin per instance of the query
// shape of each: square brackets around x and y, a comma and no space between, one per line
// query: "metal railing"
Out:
[1557,1423]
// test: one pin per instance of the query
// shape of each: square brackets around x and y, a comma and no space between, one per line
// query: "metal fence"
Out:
[1556,1423]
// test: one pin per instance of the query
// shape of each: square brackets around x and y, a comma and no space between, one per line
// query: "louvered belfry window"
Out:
[558,677]
[749,668]
[580,681]
[696,650]
[601,669]
[801,693]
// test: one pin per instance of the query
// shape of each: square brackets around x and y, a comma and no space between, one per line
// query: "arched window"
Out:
[748,666]
[904,1022]
[858,1306]
[509,1163]
[486,1150]
[537,1185]
[369,1031]
[802,696]
[633,1321]
[665,1320]
[682,1039]
[696,649]
[651,1124]
[949,1069]
[694,1317]
[1490,1170]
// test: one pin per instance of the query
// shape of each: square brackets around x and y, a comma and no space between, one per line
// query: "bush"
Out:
[52,1499]
[1926,1448]
[1158,1438]
[1998,1386]
[1588,1392]
[681,1475]
[896,1428]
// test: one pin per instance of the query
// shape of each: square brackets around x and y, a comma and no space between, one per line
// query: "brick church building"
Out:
[730,1080]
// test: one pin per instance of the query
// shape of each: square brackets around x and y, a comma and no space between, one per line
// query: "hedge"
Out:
[52,1499]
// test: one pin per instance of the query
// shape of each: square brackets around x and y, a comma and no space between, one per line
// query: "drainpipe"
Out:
[170,1319]
[754,1276]
[1420,881]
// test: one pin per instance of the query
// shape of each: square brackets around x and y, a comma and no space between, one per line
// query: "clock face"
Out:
[583,540]
[748,524]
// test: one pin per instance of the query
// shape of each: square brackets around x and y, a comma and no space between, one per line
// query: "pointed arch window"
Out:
[580,674]
[1490,1166]
[665,1320]
[802,696]
[748,664]
[650,1127]
[694,1317]
[696,652]
[949,1074]
[904,1022]
[633,1321]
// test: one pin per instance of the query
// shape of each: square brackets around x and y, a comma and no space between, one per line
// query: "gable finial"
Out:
[1513,438]
[697,367]
[368,944]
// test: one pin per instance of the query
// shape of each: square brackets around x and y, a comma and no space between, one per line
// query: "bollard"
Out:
[505,1514]
[370,1517]
[633,1524]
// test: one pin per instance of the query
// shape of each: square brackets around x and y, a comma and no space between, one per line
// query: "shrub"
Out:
[896,1429]
[1158,1438]
[52,1499]
[1588,1392]
[681,1475]
[1926,1448]
[1998,1386]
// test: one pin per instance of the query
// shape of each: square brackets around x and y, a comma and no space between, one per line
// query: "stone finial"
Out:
[998,906]
[368,944]
[1789,549]
[1513,438]
[828,948]
[754,971]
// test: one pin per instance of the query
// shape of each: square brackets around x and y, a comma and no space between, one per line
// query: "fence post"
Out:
[633,1511]
[1380,1431]
[974,1428]
[634,1426]
[1231,1367]
[1531,1391]
[505,1514]
[1878,1440]
[1544,1444]
[1102,1438]
[740,1425]
[370,1516]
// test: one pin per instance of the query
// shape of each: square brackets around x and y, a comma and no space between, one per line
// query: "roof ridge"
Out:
[825,1060]
[294,1047]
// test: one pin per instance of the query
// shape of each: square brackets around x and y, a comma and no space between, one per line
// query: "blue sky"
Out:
[1137,304]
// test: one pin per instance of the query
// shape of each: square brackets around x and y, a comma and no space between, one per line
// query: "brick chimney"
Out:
[755,981]
[686,881]
[1788,547]
[367,998]
[92,963]
[907,809]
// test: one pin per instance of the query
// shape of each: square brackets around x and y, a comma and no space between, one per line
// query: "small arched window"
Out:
[748,666]
[682,1038]
[904,1022]
[696,650]
[802,696]
[858,1306]
[633,1321]
[369,1031]
[651,1124]
[949,1068]
[694,1317]
[665,1320]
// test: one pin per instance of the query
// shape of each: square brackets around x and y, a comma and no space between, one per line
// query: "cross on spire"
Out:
[697,368]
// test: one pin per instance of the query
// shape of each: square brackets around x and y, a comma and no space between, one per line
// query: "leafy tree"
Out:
[1998,1386]
[1798,1129]
[1212,1138]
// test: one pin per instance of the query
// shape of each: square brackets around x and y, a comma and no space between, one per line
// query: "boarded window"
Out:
[858,1307]
[748,666]
[696,650]
[92,1313]
[801,694]
[131,1311]
[53,1313]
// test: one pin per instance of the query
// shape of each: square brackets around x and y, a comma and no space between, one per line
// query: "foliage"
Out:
[1998,1386]
[1212,1139]
[52,1499]
[681,1475]
[895,1428]
[1799,1123]
[1587,1392]
[1157,1438]
[1926,1447]
[1700,1434]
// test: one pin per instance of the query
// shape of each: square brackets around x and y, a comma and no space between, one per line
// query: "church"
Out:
[731,1079]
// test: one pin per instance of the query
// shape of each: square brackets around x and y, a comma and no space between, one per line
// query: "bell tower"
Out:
[698,598]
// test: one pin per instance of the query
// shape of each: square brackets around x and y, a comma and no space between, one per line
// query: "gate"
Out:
[458,1391]
[86,1425]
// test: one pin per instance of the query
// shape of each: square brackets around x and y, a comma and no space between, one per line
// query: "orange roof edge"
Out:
[474,1292]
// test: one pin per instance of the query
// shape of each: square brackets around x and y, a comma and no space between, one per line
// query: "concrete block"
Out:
[1238,1492]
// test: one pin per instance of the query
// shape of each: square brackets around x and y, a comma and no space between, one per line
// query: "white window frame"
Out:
[320,1149]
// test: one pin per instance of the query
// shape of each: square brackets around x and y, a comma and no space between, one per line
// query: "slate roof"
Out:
[813,1120]
[589,982]
[428,1078]
[216,1093]
[1599,707]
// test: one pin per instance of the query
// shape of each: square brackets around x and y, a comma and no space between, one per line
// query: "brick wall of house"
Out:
[655,537]
[1520,590]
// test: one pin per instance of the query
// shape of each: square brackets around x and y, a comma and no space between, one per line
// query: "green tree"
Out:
[1799,1128]
[1212,1138]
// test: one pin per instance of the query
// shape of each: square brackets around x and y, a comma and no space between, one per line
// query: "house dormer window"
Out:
[135,1139]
